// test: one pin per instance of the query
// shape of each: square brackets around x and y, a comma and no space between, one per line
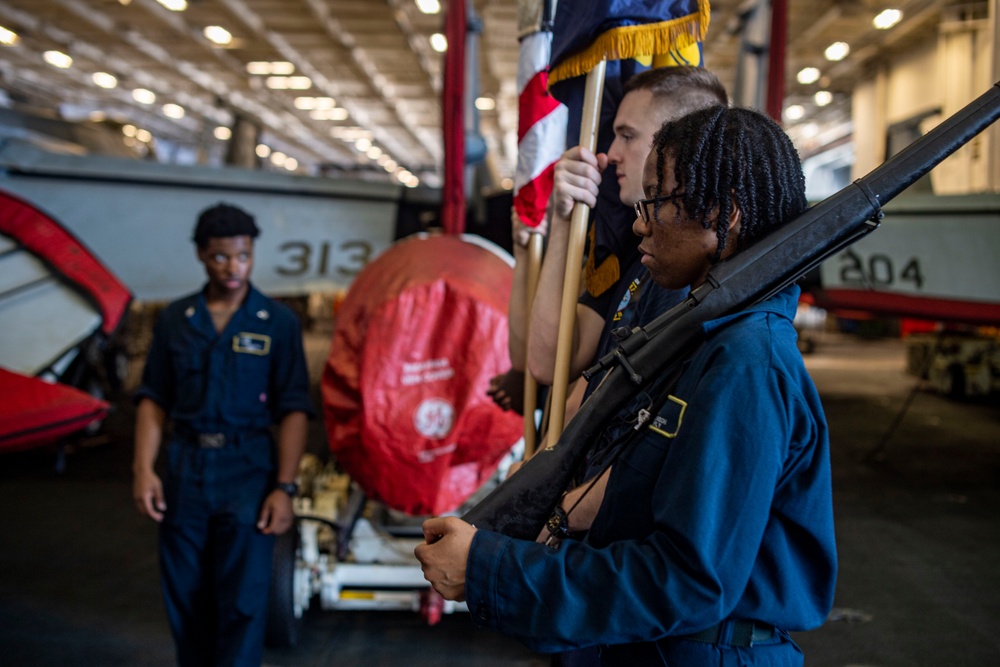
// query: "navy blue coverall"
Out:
[222,392]
[720,512]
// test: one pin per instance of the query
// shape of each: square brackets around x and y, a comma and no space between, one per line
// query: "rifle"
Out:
[521,505]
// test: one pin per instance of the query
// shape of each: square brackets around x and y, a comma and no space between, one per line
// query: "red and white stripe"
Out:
[541,130]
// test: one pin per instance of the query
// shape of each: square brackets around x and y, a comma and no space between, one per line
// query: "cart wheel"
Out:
[284,620]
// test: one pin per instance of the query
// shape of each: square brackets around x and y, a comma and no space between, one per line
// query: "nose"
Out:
[639,227]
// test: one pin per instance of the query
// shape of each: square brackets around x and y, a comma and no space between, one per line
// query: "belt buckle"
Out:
[211,440]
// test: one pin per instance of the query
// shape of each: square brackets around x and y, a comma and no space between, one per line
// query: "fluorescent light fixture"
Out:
[8,37]
[808,75]
[277,82]
[299,83]
[439,42]
[328,114]
[279,67]
[222,133]
[171,110]
[822,98]
[795,112]
[105,80]
[887,19]
[174,5]
[429,6]
[837,51]
[262,150]
[218,35]
[143,96]
[486,103]
[57,59]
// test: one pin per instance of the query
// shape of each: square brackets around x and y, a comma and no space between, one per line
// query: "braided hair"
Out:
[732,156]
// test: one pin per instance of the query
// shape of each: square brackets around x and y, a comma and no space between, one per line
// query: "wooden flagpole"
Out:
[535,243]
[574,257]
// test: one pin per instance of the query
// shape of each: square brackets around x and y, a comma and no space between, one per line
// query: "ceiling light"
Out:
[218,35]
[8,37]
[390,166]
[175,111]
[363,144]
[795,112]
[282,67]
[822,98]
[382,159]
[143,96]
[429,6]
[299,83]
[837,51]
[808,75]
[222,133]
[144,136]
[277,82]
[57,59]
[439,42]
[128,130]
[291,164]
[105,80]
[328,114]
[278,158]
[887,19]
[97,116]
[486,103]
[262,150]
[174,5]
[374,153]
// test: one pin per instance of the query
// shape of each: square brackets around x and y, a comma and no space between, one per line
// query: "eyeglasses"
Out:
[642,206]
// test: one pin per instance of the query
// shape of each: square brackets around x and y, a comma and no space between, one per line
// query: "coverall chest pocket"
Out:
[252,362]
[646,456]
[189,375]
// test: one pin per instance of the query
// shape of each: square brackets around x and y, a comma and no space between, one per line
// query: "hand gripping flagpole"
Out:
[574,257]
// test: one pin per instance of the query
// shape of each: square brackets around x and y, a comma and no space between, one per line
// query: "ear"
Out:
[735,218]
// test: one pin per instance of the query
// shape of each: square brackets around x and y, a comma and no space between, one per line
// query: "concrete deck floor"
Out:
[918,532]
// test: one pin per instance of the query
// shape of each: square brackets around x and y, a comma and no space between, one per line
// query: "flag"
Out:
[632,35]
[541,121]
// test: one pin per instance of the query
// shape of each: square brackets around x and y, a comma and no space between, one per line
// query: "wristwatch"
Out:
[291,488]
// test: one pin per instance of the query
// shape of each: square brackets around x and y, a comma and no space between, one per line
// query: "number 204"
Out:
[879,269]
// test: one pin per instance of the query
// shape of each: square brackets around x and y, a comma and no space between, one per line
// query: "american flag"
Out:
[541,125]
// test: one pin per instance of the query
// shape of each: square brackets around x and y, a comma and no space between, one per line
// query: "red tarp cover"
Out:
[37,413]
[420,333]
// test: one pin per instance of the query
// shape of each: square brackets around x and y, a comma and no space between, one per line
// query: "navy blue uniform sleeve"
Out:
[289,373]
[157,377]
[706,496]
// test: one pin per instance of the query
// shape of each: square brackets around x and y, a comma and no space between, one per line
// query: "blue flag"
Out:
[633,35]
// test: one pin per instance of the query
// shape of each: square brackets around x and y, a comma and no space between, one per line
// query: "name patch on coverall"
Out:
[251,343]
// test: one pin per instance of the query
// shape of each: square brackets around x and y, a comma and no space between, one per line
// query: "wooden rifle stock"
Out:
[521,505]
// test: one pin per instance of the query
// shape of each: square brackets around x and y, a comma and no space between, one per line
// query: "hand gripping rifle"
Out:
[521,505]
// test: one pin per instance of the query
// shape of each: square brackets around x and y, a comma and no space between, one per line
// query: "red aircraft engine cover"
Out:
[420,333]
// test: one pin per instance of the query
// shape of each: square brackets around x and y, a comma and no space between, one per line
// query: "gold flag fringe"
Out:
[633,41]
